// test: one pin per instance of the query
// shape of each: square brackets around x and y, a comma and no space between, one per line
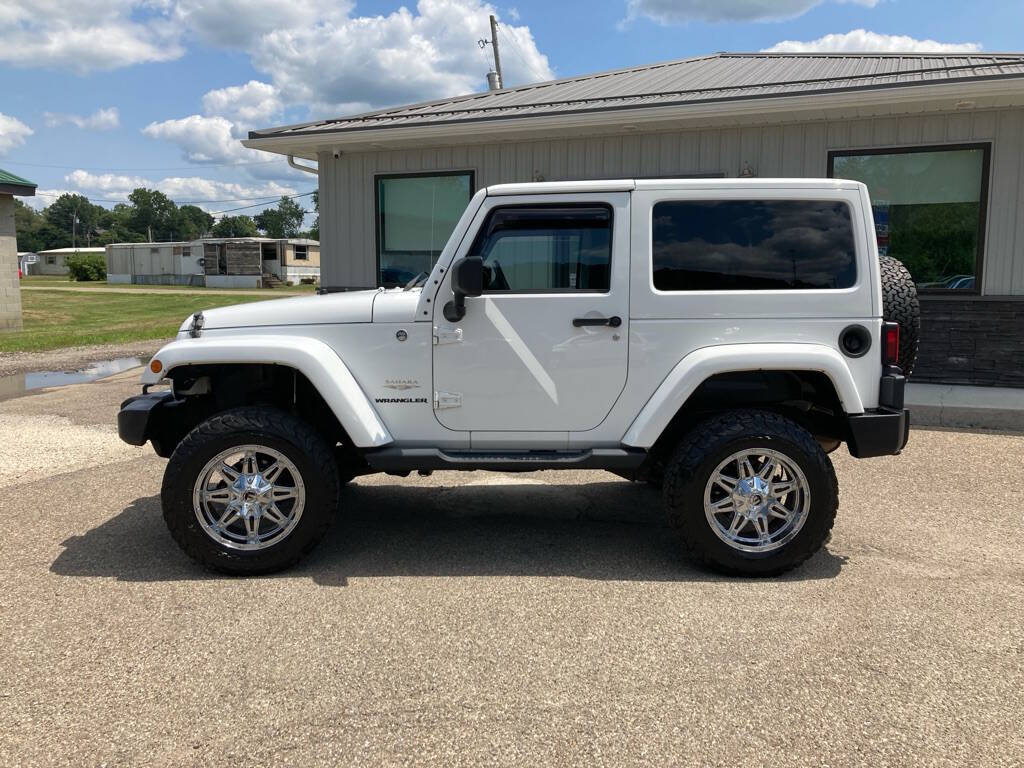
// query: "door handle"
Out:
[614,321]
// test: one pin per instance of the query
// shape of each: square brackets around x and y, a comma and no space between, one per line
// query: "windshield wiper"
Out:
[417,281]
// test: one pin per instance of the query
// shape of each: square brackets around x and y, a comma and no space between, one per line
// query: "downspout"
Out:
[306,168]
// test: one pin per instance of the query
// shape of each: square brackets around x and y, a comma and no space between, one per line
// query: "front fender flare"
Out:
[317,362]
[690,372]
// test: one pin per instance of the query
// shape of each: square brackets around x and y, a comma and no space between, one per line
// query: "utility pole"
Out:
[497,56]
[494,79]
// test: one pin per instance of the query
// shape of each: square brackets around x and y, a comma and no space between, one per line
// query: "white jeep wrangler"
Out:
[716,337]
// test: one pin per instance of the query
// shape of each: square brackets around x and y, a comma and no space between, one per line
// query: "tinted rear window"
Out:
[752,245]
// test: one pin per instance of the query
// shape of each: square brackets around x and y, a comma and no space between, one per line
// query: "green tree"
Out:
[191,223]
[62,213]
[116,226]
[28,223]
[235,226]
[314,232]
[153,213]
[283,221]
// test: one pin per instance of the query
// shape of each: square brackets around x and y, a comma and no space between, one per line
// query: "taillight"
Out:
[890,343]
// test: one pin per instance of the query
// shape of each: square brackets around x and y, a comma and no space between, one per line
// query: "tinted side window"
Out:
[546,248]
[752,245]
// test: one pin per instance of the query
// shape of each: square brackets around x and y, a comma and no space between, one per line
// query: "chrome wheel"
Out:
[757,500]
[249,497]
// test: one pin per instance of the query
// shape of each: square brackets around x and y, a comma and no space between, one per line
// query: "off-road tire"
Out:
[265,426]
[698,455]
[900,305]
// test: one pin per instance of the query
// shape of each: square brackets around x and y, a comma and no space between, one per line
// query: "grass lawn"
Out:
[61,281]
[57,319]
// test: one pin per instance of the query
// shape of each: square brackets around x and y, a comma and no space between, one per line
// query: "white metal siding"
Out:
[800,149]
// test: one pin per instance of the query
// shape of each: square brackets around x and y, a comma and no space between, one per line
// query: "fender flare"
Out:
[313,358]
[699,365]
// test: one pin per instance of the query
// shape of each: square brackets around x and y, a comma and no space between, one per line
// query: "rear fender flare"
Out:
[701,364]
[313,358]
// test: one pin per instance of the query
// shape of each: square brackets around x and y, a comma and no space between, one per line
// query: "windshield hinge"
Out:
[444,400]
[447,336]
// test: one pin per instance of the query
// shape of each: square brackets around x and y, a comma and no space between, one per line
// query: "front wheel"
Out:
[250,491]
[751,492]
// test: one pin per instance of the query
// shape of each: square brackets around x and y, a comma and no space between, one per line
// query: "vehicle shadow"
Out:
[602,531]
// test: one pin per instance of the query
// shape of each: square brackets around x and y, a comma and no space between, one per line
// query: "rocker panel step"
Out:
[411,459]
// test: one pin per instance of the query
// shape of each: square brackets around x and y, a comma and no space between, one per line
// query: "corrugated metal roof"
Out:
[720,77]
[6,177]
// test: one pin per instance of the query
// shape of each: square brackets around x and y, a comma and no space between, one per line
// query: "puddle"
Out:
[21,383]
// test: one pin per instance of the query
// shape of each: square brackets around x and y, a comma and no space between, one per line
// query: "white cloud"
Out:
[399,58]
[668,12]
[344,65]
[863,40]
[215,137]
[239,23]
[250,104]
[86,35]
[13,133]
[111,186]
[101,120]
[204,139]
[315,52]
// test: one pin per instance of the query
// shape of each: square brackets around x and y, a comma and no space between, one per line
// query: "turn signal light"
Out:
[155,365]
[890,343]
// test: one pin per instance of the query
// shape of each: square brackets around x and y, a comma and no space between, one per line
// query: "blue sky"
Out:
[114,94]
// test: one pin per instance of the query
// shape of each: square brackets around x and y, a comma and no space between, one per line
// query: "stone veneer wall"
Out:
[971,340]
[10,290]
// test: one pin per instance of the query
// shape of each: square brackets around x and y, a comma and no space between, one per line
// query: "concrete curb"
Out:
[948,405]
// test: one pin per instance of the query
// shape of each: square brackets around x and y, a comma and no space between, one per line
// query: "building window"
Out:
[268,251]
[186,251]
[546,248]
[752,245]
[929,205]
[51,259]
[416,214]
[301,252]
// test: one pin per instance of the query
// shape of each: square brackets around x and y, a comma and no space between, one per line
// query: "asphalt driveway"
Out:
[467,619]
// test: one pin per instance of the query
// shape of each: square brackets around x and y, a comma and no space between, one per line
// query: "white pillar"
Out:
[10,290]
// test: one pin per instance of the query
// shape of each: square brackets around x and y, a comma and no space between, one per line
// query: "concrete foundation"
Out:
[10,290]
[943,405]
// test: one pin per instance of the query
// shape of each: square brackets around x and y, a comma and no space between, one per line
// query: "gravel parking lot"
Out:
[467,619]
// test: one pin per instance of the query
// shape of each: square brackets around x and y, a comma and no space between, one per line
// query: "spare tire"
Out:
[900,305]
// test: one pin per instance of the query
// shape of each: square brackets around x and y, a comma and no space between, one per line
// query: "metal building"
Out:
[938,139]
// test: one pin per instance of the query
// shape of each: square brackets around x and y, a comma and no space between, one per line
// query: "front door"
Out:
[544,349]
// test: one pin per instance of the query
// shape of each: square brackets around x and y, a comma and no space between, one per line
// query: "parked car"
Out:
[715,337]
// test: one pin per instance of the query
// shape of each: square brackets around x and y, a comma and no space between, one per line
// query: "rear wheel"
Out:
[250,491]
[751,492]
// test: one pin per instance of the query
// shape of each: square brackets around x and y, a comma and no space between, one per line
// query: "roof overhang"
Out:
[964,95]
[21,190]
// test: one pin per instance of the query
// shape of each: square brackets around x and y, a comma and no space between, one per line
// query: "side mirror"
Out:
[467,277]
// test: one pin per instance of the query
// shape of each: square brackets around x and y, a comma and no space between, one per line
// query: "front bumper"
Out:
[137,417]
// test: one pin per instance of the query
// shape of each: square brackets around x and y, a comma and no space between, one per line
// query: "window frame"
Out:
[986,165]
[378,221]
[305,252]
[554,204]
[858,276]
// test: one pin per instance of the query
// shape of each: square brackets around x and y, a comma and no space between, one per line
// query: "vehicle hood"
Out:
[345,307]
